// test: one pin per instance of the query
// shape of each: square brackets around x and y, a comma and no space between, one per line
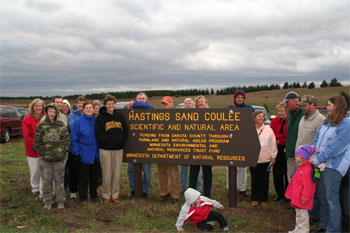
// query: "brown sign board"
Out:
[224,137]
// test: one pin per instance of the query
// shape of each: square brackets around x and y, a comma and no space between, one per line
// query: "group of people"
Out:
[313,158]
[309,154]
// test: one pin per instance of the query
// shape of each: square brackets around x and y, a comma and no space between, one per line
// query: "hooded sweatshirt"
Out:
[51,139]
[110,130]
[195,212]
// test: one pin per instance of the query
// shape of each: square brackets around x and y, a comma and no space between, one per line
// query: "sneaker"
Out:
[144,195]
[211,223]
[132,194]
[278,198]
[115,200]
[106,200]
[243,193]
[225,229]
[47,206]
[264,204]
[255,203]
[60,206]
[73,196]
[164,197]
[95,199]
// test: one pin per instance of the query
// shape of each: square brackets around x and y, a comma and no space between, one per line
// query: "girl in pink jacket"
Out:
[301,189]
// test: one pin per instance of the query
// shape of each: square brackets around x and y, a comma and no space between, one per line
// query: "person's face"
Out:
[142,98]
[330,107]
[110,106]
[51,113]
[59,103]
[188,104]
[80,105]
[307,109]
[260,118]
[96,110]
[298,159]
[281,113]
[38,108]
[201,103]
[89,110]
[166,105]
[65,109]
[293,104]
[197,201]
[239,99]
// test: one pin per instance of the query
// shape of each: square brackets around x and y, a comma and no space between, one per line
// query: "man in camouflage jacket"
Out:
[52,143]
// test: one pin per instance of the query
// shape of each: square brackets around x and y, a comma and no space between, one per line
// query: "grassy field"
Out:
[21,212]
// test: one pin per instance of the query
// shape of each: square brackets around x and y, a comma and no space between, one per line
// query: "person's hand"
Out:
[311,158]
[180,229]
[130,104]
[221,206]
[303,202]
[273,161]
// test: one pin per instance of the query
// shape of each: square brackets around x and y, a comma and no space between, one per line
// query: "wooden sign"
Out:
[225,137]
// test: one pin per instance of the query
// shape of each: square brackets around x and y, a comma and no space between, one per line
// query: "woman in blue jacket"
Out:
[84,145]
[332,140]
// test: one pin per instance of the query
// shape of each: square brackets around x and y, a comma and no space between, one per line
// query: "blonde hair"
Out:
[282,106]
[200,97]
[34,102]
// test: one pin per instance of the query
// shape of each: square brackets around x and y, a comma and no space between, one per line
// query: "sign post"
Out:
[216,137]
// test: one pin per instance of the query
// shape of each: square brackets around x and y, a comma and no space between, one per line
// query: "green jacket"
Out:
[292,131]
[51,140]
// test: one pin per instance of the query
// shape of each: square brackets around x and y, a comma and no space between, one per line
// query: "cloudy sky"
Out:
[87,46]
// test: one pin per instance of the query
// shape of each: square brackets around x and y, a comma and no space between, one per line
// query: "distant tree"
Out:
[324,84]
[297,85]
[304,85]
[311,85]
[285,86]
[334,83]
[212,91]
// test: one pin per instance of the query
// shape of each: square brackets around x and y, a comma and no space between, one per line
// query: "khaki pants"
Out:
[302,221]
[111,164]
[52,174]
[35,179]
[173,171]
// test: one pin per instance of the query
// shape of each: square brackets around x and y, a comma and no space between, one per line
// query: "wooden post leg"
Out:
[232,187]
[138,179]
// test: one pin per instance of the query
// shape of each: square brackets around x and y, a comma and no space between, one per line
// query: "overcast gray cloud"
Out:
[76,47]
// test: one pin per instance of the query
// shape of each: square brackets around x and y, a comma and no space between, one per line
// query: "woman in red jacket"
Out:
[29,123]
[279,127]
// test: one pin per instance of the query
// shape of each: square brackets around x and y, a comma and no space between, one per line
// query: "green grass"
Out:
[21,212]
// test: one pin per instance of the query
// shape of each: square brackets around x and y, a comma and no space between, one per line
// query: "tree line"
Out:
[192,92]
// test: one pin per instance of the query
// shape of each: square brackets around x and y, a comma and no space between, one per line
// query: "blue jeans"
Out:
[184,178]
[317,202]
[330,215]
[146,180]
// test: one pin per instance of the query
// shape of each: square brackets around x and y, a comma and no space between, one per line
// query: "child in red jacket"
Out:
[301,188]
[197,209]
